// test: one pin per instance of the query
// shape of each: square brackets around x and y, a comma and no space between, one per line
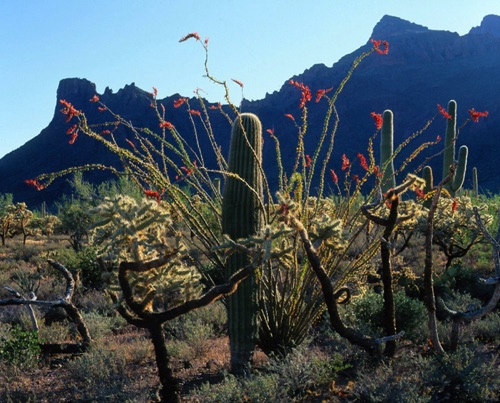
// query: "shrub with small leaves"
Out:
[465,376]
[21,349]
[410,314]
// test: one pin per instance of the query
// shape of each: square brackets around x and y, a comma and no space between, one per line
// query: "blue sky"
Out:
[114,43]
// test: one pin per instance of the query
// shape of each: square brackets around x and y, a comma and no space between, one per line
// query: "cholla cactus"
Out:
[131,230]
[455,230]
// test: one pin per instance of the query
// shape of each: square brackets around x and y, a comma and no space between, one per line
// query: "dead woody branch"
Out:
[64,302]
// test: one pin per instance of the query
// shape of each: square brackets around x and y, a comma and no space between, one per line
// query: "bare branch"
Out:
[70,282]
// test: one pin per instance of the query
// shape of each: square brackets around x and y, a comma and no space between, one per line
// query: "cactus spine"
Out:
[449,152]
[242,216]
[386,151]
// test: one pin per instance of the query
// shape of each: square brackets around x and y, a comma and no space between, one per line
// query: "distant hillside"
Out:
[423,68]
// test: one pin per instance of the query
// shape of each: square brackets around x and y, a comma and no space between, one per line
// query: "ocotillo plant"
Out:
[386,151]
[449,152]
[242,216]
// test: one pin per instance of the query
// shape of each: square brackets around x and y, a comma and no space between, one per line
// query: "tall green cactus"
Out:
[429,184]
[449,152]
[475,182]
[242,216]
[386,151]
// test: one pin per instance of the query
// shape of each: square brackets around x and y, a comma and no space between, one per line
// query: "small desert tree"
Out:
[23,217]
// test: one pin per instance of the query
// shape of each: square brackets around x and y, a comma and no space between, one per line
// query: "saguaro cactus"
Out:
[475,182]
[449,152]
[386,151]
[429,185]
[242,216]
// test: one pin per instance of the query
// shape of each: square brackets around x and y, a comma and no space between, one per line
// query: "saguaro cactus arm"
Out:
[449,152]
[386,151]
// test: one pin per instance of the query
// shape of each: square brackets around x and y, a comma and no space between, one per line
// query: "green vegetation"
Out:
[366,291]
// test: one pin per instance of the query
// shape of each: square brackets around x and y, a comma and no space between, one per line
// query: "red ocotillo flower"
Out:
[443,112]
[376,46]
[362,162]
[189,36]
[166,125]
[377,117]
[320,93]
[179,102]
[345,162]
[334,176]
[306,92]
[33,182]
[95,98]
[153,194]
[475,115]
[237,82]
[69,110]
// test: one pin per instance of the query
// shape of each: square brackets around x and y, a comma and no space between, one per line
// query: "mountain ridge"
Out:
[424,67]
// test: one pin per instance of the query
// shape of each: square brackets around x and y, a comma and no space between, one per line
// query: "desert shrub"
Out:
[99,375]
[465,376]
[82,262]
[95,301]
[261,388]
[25,252]
[487,328]
[282,379]
[386,383]
[463,279]
[305,368]
[17,395]
[100,326]
[55,333]
[192,340]
[137,351]
[460,301]
[191,333]
[21,349]
[212,316]
[410,314]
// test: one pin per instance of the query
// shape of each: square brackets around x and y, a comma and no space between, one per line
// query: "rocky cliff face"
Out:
[489,26]
[423,68]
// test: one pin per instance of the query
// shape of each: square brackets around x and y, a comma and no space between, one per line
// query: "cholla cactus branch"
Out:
[330,295]
[461,317]
[142,267]
[429,297]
